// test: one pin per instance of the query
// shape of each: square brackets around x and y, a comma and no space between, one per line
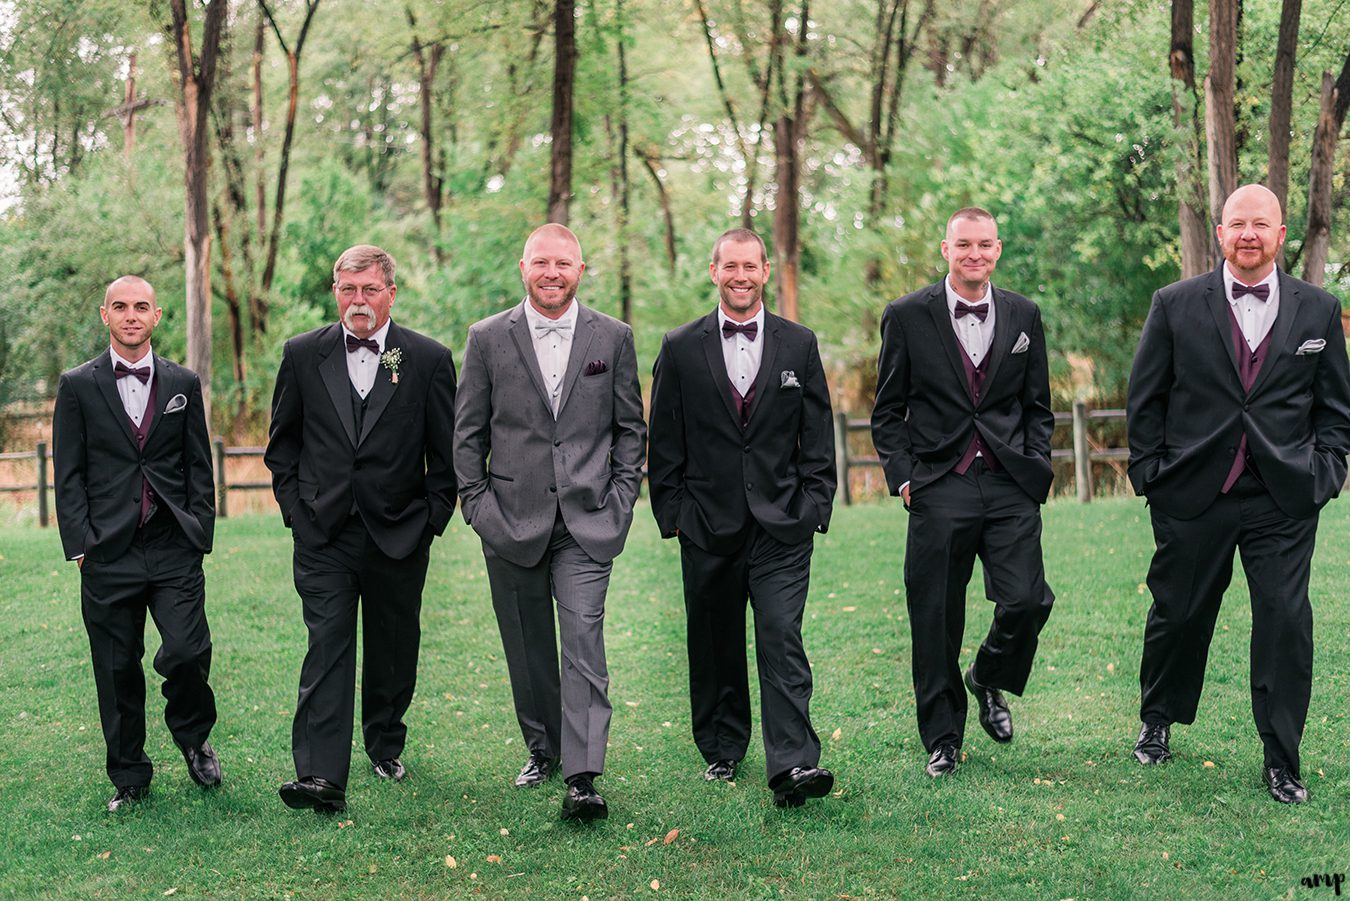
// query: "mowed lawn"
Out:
[1063,812]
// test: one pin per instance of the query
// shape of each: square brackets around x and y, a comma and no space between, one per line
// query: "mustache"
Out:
[358,309]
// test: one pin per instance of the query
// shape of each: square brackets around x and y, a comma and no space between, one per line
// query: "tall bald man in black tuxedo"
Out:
[1239,424]
[359,448]
[135,504]
[742,470]
[962,424]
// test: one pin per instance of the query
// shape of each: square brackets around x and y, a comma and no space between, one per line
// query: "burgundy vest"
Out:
[742,403]
[142,432]
[1249,366]
[975,382]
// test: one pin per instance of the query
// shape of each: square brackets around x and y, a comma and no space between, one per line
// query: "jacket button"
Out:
[747,448]
[557,444]
[553,489]
[749,486]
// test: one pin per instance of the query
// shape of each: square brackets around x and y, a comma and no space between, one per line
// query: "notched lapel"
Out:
[1005,333]
[107,386]
[942,320]
[711,340]
[383,390]
[768,366]
[333,371]
[1280,331]
[583,333]
[166,386]
[520,334]
[1217,302]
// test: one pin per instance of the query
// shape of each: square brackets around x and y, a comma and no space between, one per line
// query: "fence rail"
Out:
[1081,452]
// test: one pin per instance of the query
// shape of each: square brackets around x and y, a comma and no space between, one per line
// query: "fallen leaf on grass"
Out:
[344,824]
[1060,817]
[105,855]
[837,734]
[504,831]
[451,862]
[171,891]
[1166,856]
[850,609]
[656,885]
[494,858]
[652,842]
[671,836]
[1209,764]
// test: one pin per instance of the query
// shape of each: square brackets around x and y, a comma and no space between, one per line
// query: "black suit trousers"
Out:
[332,580]
[1191,570]
[952,521]
[774,577]
[161,572]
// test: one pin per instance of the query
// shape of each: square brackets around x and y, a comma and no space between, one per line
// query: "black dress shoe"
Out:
[583,802]
[995,716]
[721,771]
[536,770]
[1151,747]
[791,789]
[1284,785]
[127,796]
[392,768]
[203,765]
[313,792]
[943,760]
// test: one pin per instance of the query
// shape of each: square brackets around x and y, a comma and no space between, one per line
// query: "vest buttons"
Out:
[553,489]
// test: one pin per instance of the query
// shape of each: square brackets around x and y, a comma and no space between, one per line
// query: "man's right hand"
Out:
[904,495]
[79,562]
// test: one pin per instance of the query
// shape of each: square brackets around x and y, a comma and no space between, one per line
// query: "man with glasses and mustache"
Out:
[359,449]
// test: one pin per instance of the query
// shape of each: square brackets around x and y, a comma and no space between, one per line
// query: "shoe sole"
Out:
[298,800]
[1152,761]
[585,814]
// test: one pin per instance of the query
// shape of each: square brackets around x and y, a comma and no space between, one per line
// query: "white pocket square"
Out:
[1022,345]
[176,404]
[1311,346]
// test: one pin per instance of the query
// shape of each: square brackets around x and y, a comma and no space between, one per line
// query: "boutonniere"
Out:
[390,360]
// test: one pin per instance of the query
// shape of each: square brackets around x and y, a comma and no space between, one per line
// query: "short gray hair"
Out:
[360,258]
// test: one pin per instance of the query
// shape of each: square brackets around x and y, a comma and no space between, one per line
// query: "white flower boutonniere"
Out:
[390,360]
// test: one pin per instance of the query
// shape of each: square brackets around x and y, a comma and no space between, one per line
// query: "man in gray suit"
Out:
[548,451]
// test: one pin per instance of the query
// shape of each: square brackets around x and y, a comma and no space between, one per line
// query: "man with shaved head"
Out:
[135,503]
[1239,425]
[549,446]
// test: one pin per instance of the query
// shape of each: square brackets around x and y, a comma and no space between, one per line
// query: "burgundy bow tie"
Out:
[140,372]
[979,311]
[354,343]
[748,329]
[1261,292]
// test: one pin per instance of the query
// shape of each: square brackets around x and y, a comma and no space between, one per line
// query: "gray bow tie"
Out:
[544,329]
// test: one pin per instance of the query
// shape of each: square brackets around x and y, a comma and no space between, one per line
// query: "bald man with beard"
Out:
[1239,425]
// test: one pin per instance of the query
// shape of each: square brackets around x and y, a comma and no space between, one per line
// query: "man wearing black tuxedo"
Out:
[962,424]
[136,509]
[742,471]
[1239,423]
[359,449]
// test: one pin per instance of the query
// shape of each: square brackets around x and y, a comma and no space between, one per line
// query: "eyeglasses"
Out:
[368,292]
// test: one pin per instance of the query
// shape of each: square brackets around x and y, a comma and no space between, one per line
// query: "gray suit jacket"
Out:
[516,465]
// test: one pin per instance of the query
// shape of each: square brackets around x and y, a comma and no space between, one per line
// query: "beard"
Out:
[551,304]
[732,301]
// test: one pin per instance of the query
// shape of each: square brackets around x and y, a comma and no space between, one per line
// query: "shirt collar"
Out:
[953,297]
[147,360]
[1229,280]
[381,334]
[757,319]
[534,317]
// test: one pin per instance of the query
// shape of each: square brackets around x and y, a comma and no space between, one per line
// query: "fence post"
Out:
[42,483]
[222,485]
[1082,462]
[841,460]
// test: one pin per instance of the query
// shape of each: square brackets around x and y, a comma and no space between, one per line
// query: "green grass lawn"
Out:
[1063,812]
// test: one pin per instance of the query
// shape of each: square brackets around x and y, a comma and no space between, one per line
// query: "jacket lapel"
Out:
[717,365]
[107,386]
[382,391]
[583,333]
[333,371]
[165,387]
[1217,301]
[1279,332]
[768,365]
[1005,333]
[942,319]
[520,333]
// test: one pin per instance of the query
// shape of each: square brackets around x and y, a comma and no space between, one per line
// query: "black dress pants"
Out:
[774,577]
[160,573]
[331,580]
[952,521]
[1191,570]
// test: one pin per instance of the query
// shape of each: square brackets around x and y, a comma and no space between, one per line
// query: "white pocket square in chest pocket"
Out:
[1311,346]
[177,404]
[1022,345]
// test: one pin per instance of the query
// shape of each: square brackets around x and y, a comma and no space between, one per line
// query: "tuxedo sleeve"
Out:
[1038,418]
[1147,396]
[815,449]
[628,448]
[69,465]
[197,465]
[472,434]
[890,414]
[285,436]
[1331,409]
[666,452]
[440,438]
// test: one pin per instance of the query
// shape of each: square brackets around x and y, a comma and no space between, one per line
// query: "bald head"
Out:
[129,284]
[552,232]
[1251,232]
[1254,197]
[551,269]
[131,314]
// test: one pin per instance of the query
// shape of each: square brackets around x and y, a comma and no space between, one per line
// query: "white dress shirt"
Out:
[975,336]
[739,353]
[134,395]
[363,363]
[552,348]
[1255,317]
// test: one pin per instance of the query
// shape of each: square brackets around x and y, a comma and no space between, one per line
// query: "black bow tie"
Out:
[1261,292]
[140,372]
[354,343]
[979,311]
[748,329]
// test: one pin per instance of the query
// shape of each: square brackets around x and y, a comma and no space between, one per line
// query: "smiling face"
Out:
[130,312]
[551,270]
[1252,232]
[971,250]
[740,272]
[364,300]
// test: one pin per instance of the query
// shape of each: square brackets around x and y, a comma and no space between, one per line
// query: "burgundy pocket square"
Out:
[596,367]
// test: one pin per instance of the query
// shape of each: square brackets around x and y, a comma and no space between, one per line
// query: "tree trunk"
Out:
[564,78]
[234,309]
[1317,239]
[428,60]
[663,197]
[1281,99]
[1220,85]
[1197,245]
[625,264]
[786,250]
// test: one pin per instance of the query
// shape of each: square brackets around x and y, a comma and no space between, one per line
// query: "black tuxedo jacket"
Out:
[397,472]
[711,480]
[1187,408]
[924,418]
[99,467]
